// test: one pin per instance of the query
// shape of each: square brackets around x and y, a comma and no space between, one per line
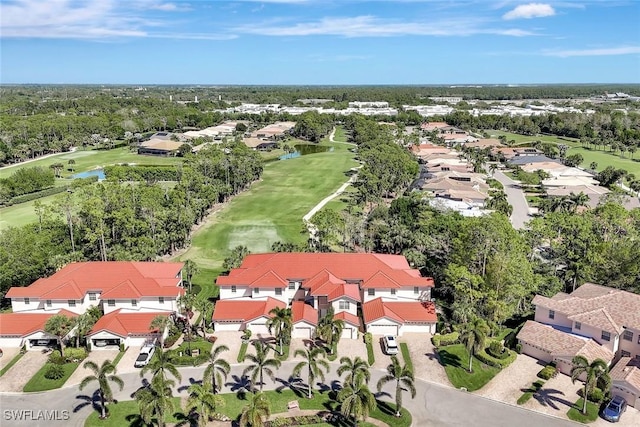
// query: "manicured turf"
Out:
[92,159]
[39,383]
[124,414]
[273,208]
[340,136]
[23,213]
[603,158]
[205,281]
[575,413]
[406,355]
[456,362]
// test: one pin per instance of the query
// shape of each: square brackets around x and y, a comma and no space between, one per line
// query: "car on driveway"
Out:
[390,344]
[146,353]
[614,409]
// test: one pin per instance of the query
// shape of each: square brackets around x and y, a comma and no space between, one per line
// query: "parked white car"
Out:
[390,344]
[146,353]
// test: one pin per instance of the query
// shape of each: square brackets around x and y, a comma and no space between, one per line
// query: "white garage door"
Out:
[302,332]
[259,327]
[626,394]
[377,329]
[227,326]
[349,332]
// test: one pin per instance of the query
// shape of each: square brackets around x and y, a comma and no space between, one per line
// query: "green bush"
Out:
[37,195]
[54,372]
[548,372]
[447,339]
[494,183]
[242,351]
[519,348]
[596,395]
[497,350]
[368,338]
[189,360]
[56,358]
[121,347]
[142,173]
[75,354]
[495,362]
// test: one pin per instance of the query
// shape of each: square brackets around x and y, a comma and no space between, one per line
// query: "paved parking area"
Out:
[96,356]
[382,359]
[7,356]
[352,348]
[509,384]
[424,358]
[20,373]
[231,339]
[126,363]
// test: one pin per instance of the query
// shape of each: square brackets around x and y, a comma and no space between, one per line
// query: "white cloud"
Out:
[621,50]
[531,10]
[371,26]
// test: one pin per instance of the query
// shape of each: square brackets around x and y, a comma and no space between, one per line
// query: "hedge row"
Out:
[38,194]
[189,360]
[447,339]
[495,362]
[142,173]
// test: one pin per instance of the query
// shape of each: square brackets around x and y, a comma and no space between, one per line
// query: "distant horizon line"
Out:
[448,85]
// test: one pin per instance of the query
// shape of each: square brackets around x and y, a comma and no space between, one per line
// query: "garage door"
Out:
[258,328]
[302,332]
[349,333]
[626,394]
[383,329]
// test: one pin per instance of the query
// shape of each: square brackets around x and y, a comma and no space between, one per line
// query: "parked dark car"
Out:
[614,409]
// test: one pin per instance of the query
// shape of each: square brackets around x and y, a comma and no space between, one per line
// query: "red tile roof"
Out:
[23,324]
[125,324]
[245,310]
[400,312]
[348,318]
[300,311]
[345,267]
[115,279]
[269,280]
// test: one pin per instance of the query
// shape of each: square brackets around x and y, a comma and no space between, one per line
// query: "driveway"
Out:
[507,386]
[128,359]
[20,373]
[231,339]
[96,356]
[382,359]
[515,196]
[424,358]
[7,356]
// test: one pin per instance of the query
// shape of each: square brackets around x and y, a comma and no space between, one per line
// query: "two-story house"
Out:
[594,321]
[311,284]
[116,287]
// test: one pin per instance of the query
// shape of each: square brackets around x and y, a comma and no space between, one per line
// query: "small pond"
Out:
[304,149]
[88,174]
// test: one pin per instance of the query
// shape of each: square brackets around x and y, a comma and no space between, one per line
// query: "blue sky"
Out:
[319,41]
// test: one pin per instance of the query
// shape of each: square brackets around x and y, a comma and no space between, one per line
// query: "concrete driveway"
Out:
[96,356]
[15,378]
[128,359]
[424,358]
[231,339]
[352,349]
[515,196]
[382,359]
[7,356]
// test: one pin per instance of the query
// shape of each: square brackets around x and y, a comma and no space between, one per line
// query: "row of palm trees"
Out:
[155,399]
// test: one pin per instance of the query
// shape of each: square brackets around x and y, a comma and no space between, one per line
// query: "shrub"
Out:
[519,348]
[171,340]
[447,339]
[37,195]
[495,362]
[497,350]
[596,395]
[56,358]
[189,360]
[368,338]
[54,372]
[242,351]
[548,372]
[121,347]
[75,354]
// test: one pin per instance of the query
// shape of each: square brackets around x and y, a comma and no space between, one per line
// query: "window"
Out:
[134,302]
[160,300]
[393,291]
[27,301]
[48,303]
[371,292]
[627,336]
[256,290]
[343,305]
[111,302]
[233,289]
[606,336]
[292,285]
[552,314]
[416,290]
[92,296]
[578,326]
[72,303]
[625,353]
[278,291]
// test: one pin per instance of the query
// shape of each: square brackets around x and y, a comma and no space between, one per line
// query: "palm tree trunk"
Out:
[584,398]
[104,408]
[61,347]
[310,379]
[398,398]
[470,361]
[261,382]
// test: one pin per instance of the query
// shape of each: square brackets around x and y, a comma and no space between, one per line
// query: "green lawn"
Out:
[273,208]
[39,383]
[119,357]
[404,348]
[23,213]
[91,159]
[602,158]
[125,413]
[340,135]
[204,283]
[456,362]
[575,413]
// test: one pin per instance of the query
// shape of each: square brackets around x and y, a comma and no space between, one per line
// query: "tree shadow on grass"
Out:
[385,408]
[551,397]
[241,385]
[448,359]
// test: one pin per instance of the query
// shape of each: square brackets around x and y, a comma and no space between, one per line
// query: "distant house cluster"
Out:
[377,293]
[593,321]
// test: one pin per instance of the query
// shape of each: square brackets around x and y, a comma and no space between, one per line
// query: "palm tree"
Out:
[330,329]
[261,364]
[160,365]
[204,307]
[190,270]
[203,402]
[217,368]
[60,326]
[256,411]
[155,400]
[282,323]
[356,401]
[596,371]
[473,336]
[357,370]
[403,376]
[83,324]
[314,361]
[160,323]
[102,374]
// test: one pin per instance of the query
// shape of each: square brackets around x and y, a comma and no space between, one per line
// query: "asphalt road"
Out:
[515,196]
[435,405]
